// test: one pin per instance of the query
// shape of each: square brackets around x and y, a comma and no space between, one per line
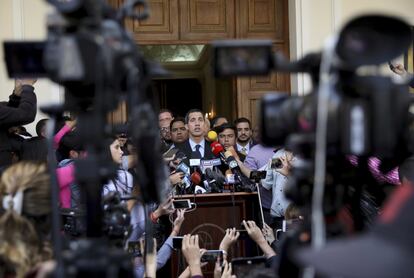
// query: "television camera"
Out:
[348,115]
[89,53]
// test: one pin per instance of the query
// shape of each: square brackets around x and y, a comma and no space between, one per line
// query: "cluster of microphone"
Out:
[206,176]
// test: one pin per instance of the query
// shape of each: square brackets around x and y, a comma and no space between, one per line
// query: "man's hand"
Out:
[229,239]
[192,254]
[19,83]
[254,232]
[227,270]
[177,177]
[164,208]
[268,234]
[178,221]
[217,268]
[71,123]
[399,69]
[286,164]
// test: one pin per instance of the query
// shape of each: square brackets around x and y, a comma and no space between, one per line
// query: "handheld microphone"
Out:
[182,167]
[195,177]
[212,136]
[231,161]
[214,180]
[244,182]
[218,150]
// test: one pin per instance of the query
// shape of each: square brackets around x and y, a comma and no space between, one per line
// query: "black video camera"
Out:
[346,114]
[367,115]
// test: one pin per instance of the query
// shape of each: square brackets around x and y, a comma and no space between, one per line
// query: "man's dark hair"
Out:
[215,119]
[242,120]
[71,141]
[41,124]
[192,111]
[165,110]
[177,119]
[219,129]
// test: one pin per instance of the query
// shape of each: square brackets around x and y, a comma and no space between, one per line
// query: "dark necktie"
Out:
[197,153]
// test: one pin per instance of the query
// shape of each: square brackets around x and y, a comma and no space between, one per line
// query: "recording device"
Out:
[360,108]
[116,217]
[242,183]
[252,57]
[212,136]
[345,114]
[257,175]
[195,178]
[170,154]
[362,115]
[116,220]
[218,150]
[288,225]
[186,183]
[214,181]
[212,255]
[134,248]
[391,65]
[243,234]
[276,163]
[177,242]
[25,59]
[243,266]
[73,222]
[182,204]
[89,52]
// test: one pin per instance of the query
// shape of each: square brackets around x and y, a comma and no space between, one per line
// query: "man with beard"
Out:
[244,135]
[164,119]
[195,147]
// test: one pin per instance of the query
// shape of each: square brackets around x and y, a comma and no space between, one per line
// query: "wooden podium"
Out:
[214,213]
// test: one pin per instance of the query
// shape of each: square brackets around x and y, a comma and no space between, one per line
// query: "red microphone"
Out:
[195,178]
[217,149]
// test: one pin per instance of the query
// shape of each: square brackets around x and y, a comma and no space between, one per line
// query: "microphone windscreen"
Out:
[216,148]
[195,178]
[212,136]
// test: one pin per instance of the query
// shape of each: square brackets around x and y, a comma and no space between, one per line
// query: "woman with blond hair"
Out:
[24,218]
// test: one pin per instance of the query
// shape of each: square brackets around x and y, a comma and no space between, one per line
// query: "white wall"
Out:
[25,20]
[312,21]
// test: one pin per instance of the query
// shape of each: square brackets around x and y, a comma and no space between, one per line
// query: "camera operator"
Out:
[20,109]
[276,178]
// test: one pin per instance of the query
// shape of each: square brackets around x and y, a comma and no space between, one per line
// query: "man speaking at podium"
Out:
[195,147]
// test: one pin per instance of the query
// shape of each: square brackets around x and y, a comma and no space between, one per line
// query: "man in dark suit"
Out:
[196,146]
[244,135]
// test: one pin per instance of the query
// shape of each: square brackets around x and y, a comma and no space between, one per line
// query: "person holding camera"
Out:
[19,110]
[277,174]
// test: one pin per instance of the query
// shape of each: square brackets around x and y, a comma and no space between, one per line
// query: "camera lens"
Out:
[276,163]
